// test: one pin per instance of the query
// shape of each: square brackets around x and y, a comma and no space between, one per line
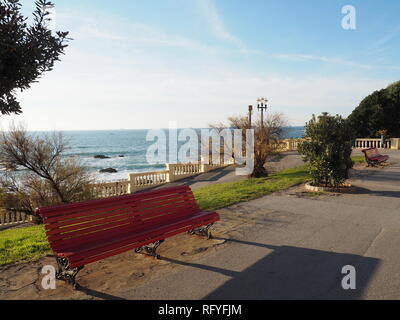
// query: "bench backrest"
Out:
[370,153]
[71,224]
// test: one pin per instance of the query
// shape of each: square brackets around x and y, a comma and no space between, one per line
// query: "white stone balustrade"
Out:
[290,144]
[365,143]
[181,171]
[110,189]
[145,180]
[11,218]
[362,143]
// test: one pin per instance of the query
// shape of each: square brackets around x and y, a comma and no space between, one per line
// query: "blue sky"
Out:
[141,64]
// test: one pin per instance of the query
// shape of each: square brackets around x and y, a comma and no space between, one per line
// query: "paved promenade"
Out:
[299,248]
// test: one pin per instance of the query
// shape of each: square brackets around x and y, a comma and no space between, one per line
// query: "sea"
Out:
[125,150]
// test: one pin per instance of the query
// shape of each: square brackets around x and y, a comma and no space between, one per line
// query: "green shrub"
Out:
[328,149]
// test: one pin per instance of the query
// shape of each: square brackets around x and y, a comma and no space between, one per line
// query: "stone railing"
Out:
[13,218]
[146,180]
[110,189]
[365,143]
[361,143]
[181,171]
[289,144]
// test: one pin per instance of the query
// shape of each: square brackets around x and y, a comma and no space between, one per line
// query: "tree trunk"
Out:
[259,171]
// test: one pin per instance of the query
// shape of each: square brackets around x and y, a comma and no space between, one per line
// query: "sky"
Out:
[140,64]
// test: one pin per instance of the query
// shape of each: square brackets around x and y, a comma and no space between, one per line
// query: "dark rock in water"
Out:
[108,170]
[101,156]
[121,156]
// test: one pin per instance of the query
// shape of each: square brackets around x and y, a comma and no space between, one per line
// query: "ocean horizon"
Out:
[125,150]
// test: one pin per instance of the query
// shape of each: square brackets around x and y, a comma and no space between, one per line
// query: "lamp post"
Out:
[250,113]
[262,106]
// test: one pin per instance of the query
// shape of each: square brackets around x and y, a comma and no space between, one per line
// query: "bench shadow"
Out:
[383,193]
[291,273]
[98,294]
[381,176]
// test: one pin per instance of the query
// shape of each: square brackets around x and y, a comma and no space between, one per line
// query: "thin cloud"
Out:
[389,37]
[310,57]
[120,30]
[210,12]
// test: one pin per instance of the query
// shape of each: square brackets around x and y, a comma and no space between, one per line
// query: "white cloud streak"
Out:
[210,12]
[387,38]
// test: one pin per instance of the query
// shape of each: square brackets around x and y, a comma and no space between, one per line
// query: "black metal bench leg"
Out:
[202,231]
[65,273]
[372,163]
[150,249]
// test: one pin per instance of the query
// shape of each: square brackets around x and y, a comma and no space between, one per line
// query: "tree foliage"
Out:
[328,149]
[379,111]
[36,173]
[266,138]
[26,51]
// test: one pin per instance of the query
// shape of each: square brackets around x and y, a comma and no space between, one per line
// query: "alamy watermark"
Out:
[349,21]
[49,279]
[205,146]
[349,280]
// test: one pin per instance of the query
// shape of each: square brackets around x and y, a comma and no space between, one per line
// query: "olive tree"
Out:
[26,51]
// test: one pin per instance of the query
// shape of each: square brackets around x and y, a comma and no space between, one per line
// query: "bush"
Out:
[328,149]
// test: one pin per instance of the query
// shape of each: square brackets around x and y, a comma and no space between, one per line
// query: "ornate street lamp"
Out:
[262,106]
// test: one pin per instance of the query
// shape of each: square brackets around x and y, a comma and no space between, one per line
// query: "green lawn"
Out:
[22,244]
[358,159]
[225,194]
[30,242]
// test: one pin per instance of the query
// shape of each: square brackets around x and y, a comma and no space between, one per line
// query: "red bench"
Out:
[82,233]
[373,157]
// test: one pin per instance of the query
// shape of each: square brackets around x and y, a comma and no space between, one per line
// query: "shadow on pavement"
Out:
[97,294]
[383,193]
[214,175]
[381,176]
[292,273]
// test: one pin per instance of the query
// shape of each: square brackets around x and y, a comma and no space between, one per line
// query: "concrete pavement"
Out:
[299,246]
